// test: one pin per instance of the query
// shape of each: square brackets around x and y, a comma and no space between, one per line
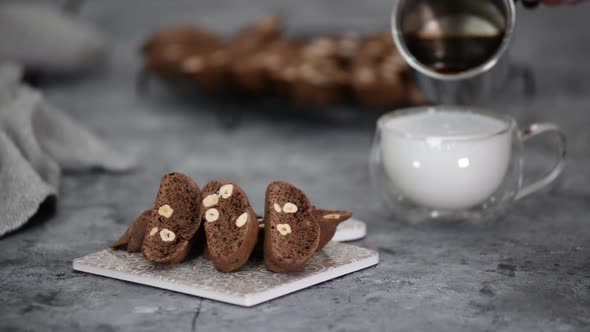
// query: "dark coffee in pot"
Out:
[452,54]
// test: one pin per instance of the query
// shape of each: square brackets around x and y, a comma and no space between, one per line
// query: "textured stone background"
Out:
[530,272]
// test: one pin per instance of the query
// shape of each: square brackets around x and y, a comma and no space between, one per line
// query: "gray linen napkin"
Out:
[37,142]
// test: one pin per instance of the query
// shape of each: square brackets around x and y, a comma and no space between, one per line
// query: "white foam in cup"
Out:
[446,160]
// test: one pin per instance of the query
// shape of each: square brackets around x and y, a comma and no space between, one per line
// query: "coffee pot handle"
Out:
[535,130]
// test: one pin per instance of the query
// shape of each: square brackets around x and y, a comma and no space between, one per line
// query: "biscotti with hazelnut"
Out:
[184,36]
[255,36]
[165,52]
[230,225]
[132,240]
[292,233]
[329,221]
[320,82]
[175,220]
[322,76]
[379,73]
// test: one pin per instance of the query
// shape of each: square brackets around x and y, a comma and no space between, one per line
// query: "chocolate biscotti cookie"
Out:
[341,48]
[133,237]
[320,82]
[185,36]
[329,220]
[212,71]
[209,70]
[379,73]
[252,54]
[166,52]
[322,75]
[230,225]
[254,72]
[254,37]
[285,58]
[378,84]
[175,220]
[292,233]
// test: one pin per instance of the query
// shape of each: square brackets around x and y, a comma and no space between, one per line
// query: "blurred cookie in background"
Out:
[168,51]
[260,61]
[212,71]
[320,82]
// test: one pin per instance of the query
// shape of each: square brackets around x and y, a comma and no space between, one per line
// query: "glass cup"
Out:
[454,164]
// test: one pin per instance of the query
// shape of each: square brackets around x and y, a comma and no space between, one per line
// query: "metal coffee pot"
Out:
[457,21]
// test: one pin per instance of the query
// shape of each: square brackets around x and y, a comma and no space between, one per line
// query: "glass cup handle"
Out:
[535,130]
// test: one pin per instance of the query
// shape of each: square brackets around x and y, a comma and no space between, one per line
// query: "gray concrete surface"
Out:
[530,272]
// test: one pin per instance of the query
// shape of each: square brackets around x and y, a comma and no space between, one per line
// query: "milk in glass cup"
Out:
[451,163]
